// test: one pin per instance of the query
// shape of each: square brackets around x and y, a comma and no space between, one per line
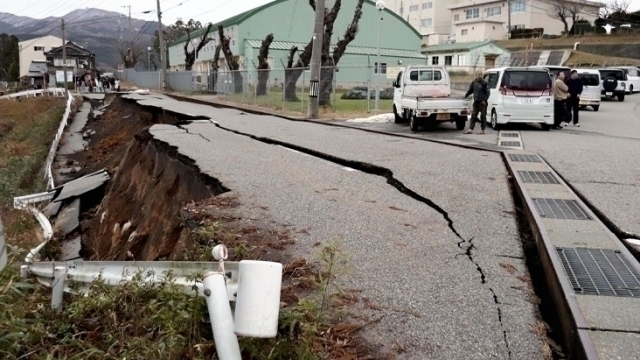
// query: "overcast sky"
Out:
[203,10]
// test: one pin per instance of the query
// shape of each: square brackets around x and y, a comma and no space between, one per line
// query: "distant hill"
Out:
[96,30]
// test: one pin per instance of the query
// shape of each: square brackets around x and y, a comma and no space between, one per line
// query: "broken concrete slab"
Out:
[81,186]
[52,209]
[70,249]
[93,96]
[68,220]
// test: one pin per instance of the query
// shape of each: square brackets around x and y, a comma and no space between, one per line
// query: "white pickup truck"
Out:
[423,95]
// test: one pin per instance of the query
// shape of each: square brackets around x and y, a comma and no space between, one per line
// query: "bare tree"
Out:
[615,7]
[263,65]
[130,53]
[232,61]
[191,55]
[329,60]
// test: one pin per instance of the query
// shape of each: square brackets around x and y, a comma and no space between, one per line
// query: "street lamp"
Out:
[149,58]
[380,7]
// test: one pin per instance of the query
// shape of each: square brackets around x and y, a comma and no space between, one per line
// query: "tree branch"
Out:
[349,34]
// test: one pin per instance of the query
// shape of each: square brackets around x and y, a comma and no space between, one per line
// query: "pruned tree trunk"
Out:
[329,62]
[216,67]
[263,66]
[190,56]
[232,61]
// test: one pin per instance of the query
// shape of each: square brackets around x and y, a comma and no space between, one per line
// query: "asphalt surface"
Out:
[440,295]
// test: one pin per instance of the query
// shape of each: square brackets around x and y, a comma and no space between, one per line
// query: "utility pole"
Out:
[129,6]
[509,19]
[163,74]
[316,60]
[64,58]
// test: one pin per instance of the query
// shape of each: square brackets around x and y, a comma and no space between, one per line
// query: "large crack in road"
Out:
[464,244]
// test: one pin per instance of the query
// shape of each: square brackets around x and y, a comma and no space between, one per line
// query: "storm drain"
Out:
[509,135]
[510,143]
[599,272]
[524,158]
[560,209]
[538,177]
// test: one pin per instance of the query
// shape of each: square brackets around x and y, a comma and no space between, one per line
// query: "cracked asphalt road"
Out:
[441,294]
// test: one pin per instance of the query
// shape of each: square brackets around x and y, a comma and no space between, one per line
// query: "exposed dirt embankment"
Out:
[139,217]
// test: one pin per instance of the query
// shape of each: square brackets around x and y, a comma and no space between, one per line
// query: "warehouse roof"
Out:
[354,50]
[457,47]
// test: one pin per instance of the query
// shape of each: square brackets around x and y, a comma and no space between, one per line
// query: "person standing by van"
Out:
[480,90]
[560,90]
[573,101]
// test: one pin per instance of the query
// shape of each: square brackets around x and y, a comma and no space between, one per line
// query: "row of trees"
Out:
[615,13]
[9,58]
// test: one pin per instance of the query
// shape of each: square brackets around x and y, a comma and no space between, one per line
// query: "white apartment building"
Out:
[34,49]
[478,20]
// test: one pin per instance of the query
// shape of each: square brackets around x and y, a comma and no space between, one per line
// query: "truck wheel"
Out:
[621,97]
[494,120]
[596,107]
[396,117]
[461,122]
[413,123]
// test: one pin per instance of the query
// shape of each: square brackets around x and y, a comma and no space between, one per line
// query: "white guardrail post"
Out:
[3,248]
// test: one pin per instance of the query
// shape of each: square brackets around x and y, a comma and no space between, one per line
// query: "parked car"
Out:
[520,95]
[423,94]
[633,78]
[591,94]
[613,83]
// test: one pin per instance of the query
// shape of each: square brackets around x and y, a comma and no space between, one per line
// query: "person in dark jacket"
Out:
[573,100]
[480,90]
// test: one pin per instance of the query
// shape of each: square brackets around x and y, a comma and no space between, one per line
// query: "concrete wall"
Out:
[478,31]
[28,54]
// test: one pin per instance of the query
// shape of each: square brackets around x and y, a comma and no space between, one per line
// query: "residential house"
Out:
[37,74]
[80,64]
[468,57]
[34,49]
[441,21]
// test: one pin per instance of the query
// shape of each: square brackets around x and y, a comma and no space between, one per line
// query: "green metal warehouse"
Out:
[291,23]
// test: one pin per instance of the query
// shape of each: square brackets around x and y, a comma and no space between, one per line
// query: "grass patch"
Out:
[580,58]
[568,42]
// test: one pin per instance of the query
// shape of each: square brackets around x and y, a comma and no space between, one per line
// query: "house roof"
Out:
[38,66]
[459,47]
[353,50]
[240,18]
[72,49]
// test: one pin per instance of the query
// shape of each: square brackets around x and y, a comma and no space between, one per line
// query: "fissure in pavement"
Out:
[391,180]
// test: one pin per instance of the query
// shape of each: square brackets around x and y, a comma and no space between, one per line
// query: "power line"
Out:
[28,7]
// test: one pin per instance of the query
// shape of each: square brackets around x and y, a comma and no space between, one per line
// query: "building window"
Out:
[383,68]
[427,5]
[427,22]
[38,48]
[456,17]
[448,60]
[435,60]
[473,13]
[493,11]
[518,6]
[414,8]
[521,26]
[464,32]
[461,59]
[58,62]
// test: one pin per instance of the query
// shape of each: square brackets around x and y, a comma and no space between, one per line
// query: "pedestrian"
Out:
[560,90]
[117,85]
[480,90]
[574,83]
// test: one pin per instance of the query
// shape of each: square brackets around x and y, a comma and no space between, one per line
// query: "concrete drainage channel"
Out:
[510,139]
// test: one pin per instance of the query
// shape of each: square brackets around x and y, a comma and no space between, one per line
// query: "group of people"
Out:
[97,85]
[566,99]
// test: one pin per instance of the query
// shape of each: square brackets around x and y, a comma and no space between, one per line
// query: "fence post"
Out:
[335,84]
[226,341]
[368,84]
[304,73]
[59,273]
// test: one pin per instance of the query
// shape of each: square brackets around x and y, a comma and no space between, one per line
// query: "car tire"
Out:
[545,127]
[494,120]
[621,97]
[413,123]
[396,117]
[596,107]
[461,122]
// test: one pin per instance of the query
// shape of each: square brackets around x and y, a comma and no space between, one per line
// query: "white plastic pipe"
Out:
[215,292]
[258,301]
[59,273]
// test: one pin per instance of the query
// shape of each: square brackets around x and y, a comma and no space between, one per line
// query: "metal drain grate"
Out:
[509,135]
[599,272]
[560,209]
[510,143]
[524,158]
[538,177]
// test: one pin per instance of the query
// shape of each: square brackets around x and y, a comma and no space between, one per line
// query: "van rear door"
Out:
[526,89]
[591,82]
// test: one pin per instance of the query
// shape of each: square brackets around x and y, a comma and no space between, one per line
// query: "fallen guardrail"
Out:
[254,287]
[56,141]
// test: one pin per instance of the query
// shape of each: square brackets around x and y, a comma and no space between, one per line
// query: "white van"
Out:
[520,95]
[591,93]
[633,78]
